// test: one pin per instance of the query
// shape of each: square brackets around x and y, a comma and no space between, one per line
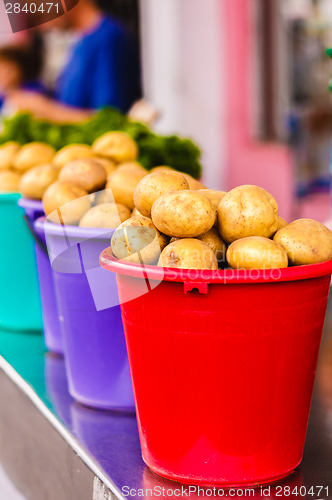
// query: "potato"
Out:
[136,212]
[281,223]
[88,173]
[183,214]
[162,168]
[35,181]
[214,196]
[256,252]
[188,253]
[247,211]
[218,246]
[71,153]
[154,185]
[194,184]
[108,215]
[123,184]
[306,241]
[8,152]
[65,203]
[137,240]
[131,166]
[118,146]
[9,181]
[102,197]
[109,165]
[33,154]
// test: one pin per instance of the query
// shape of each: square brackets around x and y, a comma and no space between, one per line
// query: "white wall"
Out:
[182,55]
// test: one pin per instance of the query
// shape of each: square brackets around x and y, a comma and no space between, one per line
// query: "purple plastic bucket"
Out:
[95,350]
[51,319]
[52,332]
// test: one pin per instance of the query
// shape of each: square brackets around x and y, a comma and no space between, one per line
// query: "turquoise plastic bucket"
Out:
[19,291]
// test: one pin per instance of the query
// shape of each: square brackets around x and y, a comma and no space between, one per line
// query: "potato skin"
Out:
[9,181]
[218,246]
[123,184]
[71,153]
[306,241]
[162,168]
[130,166]
[188,253]
[118,146]
[247,211]
[71,200]
[154,185]
[214,196]
[282,223]
[137,240]
[183,214]
[256,252]
[35,181]
[87,173]
[33,154]
[107,215]
[8,151]
[194,184]
[109,165]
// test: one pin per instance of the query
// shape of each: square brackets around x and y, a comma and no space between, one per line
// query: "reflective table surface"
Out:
[107,443]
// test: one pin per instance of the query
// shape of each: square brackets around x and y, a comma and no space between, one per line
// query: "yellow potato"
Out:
[306,241]
[188,253]
[162,168]
[281,223]
[33,154]
[8,151]
[109,165]
[137,240]
[256,252]
[123,184]
[66,203]
[35,181]
[108,215]
[183,214]
[118,146]
[9,181]
[71,153]
[88,173]
[194,184]
[213,239]
[247,211]
[131,166]
[136,212]
[214,196]
[154,185]
[104,196]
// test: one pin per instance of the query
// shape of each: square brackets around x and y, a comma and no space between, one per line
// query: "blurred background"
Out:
[247,79]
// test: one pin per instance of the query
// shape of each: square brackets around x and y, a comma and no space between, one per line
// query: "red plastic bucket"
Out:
[223,366]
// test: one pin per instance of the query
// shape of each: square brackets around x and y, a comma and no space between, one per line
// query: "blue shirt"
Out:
[102,70]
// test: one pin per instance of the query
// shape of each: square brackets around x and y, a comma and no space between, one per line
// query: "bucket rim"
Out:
[42,225]
[10,197]
[232,276]
[29,204]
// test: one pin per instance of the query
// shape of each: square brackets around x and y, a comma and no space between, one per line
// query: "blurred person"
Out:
[102,69]
[19,69]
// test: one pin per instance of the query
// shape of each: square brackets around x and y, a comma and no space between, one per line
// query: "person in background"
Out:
[19,69]
[102,70]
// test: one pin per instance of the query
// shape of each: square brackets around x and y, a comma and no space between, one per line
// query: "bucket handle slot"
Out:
[202,287]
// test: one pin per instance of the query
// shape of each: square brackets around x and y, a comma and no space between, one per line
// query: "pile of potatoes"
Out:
[79,185]
[176,226]
[162,217]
